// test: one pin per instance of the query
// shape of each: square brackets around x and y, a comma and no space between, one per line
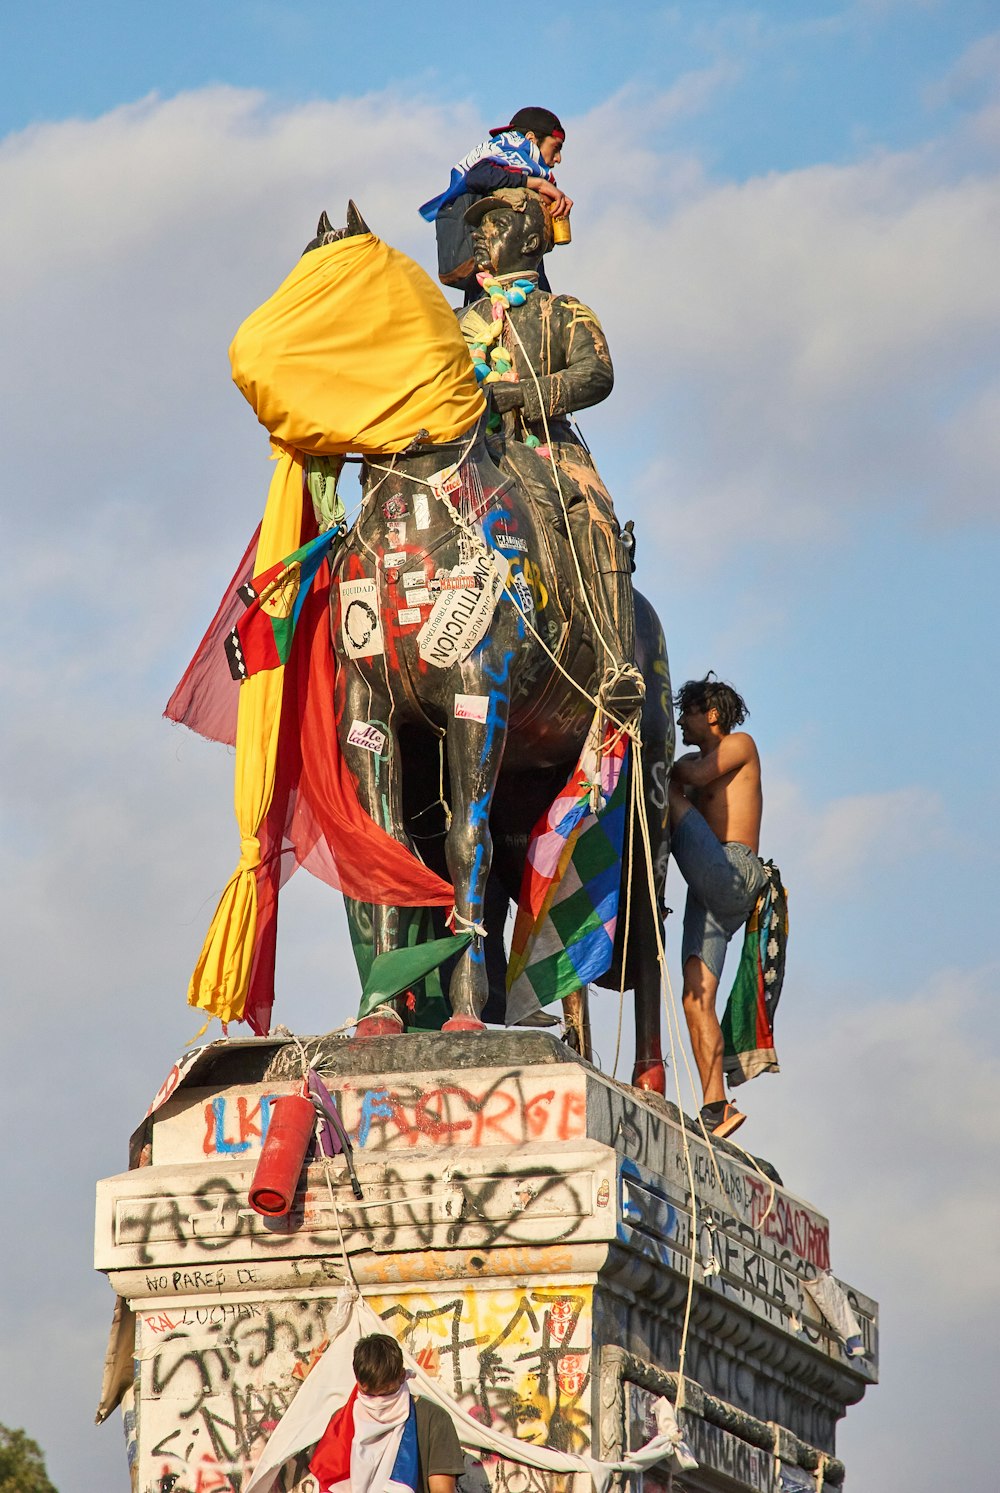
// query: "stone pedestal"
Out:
[526,1231]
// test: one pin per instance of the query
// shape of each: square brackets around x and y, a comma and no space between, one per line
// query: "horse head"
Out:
[327,234]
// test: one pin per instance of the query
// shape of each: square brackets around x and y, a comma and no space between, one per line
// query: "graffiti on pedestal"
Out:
[517,1359]
[510,1108]
[214,1382]
[216,1378]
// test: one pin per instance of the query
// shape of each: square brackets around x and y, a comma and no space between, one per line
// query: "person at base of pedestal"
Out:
[715,804]
[385,1440]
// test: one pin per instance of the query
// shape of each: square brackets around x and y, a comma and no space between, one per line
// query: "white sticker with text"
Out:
[408,615]
[471,707]
[523,593]
[505,540]
[446,480]
[394,559]
[366,736]
[360,623]
[461,618]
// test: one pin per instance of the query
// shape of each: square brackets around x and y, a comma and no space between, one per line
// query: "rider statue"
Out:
[555,359]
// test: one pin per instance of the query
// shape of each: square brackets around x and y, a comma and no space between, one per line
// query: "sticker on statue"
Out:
[522,591]
[360,624]
[505,540]
[461,617]
[366,736]
[472,707]
[446,481]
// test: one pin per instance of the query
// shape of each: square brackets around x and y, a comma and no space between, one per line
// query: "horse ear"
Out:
[355,222]
[324,225]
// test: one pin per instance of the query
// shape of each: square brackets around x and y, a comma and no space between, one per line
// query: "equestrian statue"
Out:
[481,612]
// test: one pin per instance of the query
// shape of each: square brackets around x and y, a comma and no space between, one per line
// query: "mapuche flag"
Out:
[564,933]
[262,639]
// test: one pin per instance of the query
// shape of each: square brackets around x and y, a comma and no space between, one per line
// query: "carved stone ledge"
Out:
[619,1367]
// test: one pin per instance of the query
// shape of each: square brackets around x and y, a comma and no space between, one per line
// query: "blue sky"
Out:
[788,219]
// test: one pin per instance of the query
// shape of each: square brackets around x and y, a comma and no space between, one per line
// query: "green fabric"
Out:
[322,476]
[739,1021]
[401,969]
[748,1020]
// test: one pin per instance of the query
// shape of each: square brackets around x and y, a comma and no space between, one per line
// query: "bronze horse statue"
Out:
[490,693]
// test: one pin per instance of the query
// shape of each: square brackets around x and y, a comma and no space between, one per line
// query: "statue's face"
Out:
[503,242]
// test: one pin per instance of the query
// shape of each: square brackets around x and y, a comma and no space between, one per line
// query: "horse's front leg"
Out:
[476,739]
[373,757]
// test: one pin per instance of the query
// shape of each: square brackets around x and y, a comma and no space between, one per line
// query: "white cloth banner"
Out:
[330,1384]
[829,1295]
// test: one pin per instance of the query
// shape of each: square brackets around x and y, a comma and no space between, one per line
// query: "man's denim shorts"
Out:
[724,882]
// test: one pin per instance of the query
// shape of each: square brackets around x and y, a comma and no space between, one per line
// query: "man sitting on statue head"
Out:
[520,154]
[715,804]
[546,358]
[384,1440]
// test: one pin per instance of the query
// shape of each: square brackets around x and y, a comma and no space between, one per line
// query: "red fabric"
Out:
[329,824]
[207,697]
[315,819]
[331,1461]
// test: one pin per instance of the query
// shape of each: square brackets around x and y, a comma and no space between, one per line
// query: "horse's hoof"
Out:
[382,1023]
[651,1076]
[461,1023]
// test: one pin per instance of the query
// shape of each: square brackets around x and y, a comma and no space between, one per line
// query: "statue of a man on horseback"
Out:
[485,648]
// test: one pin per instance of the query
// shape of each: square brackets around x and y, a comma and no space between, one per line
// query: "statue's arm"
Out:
[587,375]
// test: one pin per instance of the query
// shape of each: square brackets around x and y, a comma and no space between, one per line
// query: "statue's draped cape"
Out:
[356,351]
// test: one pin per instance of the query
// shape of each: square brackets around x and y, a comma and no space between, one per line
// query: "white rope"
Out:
[284,1031]
[348,1267]
[468,926]
[628,913]
[441,798]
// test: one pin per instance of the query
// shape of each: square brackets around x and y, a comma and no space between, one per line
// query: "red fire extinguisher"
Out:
[293,1120]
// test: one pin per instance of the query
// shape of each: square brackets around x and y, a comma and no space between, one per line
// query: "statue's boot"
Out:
[607,579]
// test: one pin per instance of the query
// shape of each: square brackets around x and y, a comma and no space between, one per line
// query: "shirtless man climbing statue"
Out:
[715,804]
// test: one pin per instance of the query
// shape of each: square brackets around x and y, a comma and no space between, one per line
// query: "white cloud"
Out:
[973,78]
[853,839]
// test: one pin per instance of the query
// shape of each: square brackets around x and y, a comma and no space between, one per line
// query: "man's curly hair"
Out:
[711,693]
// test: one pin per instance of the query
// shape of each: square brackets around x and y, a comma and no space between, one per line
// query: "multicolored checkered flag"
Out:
[564,933]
